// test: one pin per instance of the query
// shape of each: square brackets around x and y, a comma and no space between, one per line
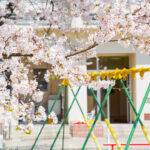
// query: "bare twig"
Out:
[33,6]
[46,4]
[136,11]
[47,32]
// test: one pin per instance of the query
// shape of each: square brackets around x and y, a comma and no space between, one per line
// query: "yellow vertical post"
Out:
[113,134]
[146,134]
[107,122]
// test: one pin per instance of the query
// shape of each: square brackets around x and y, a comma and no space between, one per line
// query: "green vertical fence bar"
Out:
[131,102]
[66,115]
[137,118]
[130,99]
[81,108]
[47,117]
[77,101]
[65,106]
[103,103]
[92,91]
[94,138]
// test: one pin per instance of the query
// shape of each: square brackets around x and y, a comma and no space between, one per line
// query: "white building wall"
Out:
[142,84]
[75,114]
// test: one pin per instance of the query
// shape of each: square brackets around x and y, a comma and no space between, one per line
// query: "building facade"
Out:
[109,56]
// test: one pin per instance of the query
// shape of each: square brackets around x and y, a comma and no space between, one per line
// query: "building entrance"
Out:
[117,109]
[118,105]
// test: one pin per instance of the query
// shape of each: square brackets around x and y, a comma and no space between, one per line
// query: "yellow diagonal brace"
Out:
[146,134]
[92,134]
[113,134]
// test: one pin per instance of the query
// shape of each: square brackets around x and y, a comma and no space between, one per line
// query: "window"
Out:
[111,62]
[94,20]
[39,75]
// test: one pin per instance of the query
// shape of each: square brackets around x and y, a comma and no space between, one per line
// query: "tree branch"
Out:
[82,51]
[16,55]
[70,55]
[10,6]
[87,49]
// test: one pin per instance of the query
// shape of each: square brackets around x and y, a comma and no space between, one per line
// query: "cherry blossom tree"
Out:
[20,46]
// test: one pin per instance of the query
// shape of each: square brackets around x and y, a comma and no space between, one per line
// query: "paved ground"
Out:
[70,144]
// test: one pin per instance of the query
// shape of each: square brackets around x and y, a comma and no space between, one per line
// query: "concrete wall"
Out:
[75,114]
[142,84]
